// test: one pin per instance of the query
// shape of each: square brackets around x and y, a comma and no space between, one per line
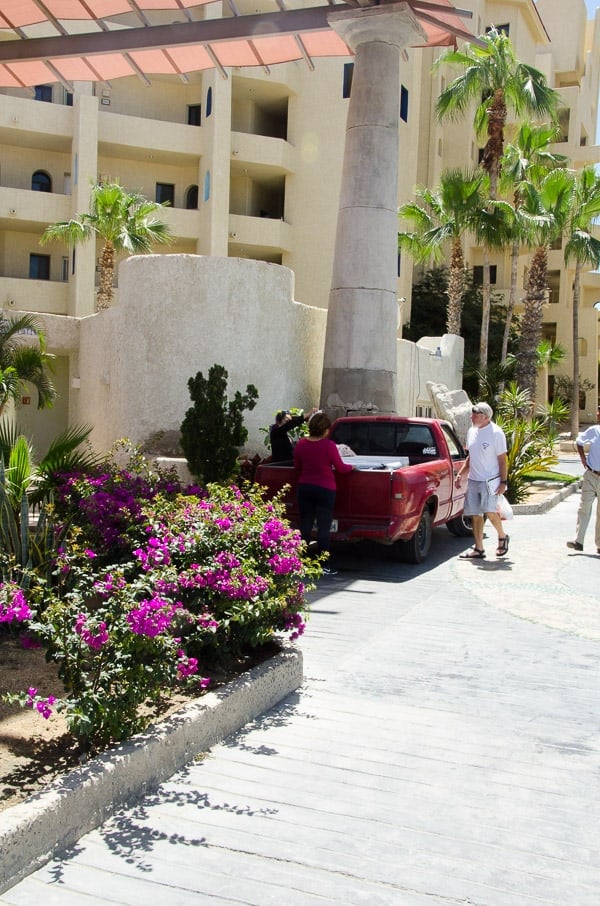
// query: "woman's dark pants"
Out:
[316,502]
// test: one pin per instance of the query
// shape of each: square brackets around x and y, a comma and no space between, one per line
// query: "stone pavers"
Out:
[443,749]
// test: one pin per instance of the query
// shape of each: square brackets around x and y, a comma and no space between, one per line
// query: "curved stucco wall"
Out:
[180,314]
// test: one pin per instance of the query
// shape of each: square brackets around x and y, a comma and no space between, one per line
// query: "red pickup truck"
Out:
[403,486]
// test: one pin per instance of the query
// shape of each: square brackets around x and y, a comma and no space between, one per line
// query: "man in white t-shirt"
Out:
[590,486]
[486,465]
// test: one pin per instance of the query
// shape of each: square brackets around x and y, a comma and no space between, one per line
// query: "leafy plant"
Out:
[26,487]
[213,428]
[530,440]
[24,362]
[563,387]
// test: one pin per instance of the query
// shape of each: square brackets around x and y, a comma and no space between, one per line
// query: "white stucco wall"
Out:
[180,314]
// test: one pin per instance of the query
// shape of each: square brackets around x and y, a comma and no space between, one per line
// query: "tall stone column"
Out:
[360,359]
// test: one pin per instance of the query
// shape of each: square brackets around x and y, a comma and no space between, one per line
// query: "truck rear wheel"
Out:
[461,526]
[415,550]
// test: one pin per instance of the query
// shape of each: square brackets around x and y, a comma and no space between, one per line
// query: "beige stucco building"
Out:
[250,162]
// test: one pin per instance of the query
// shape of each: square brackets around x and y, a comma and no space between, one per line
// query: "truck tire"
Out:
[461,526]
[415,550]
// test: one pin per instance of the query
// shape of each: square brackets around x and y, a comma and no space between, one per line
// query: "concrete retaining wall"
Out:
[68,808]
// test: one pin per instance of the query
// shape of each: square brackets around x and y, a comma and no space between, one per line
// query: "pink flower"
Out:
[152,617]
[186,666]
[94,639]
[15,607]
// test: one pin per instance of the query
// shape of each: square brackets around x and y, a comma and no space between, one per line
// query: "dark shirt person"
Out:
[282,449]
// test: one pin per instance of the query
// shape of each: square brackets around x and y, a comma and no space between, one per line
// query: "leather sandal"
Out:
[502,548]
[474,553]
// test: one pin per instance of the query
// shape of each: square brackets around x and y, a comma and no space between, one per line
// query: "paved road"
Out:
[444,749]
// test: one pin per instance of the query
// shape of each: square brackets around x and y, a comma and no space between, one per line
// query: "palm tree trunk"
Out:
[512,298]
[456,288]
[575,401]
[486,299]
[107,269]
[531,324]
[491,163]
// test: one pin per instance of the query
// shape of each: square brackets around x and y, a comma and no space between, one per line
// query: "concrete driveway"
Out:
[444,749]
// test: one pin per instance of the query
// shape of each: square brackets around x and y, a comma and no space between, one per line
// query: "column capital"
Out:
[392,23]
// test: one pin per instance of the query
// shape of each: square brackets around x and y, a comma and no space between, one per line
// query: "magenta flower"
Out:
[152,617]
[42,705]
[283,566]
[94,639]
[186,666]
[294,624]
[15,607]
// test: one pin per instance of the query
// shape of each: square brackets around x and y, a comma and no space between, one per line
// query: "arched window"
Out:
[191,198]
[41,182]
[207,185]
[208,102]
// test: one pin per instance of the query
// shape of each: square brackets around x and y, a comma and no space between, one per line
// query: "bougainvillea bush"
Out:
[153,587]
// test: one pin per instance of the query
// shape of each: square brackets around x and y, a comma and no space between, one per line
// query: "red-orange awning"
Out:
[45,41]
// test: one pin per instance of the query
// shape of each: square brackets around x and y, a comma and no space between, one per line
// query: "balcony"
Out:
[23,294]
[249,235]
[22,209]
[33,124]
[261,150]
[134,138]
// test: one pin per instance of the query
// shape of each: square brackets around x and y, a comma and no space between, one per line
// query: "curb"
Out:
[532,509]
[81,800]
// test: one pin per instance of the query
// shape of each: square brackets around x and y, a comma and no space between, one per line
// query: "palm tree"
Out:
[444,217]
[23,362]
[528,157]
[495,80]
[582,247]
[123,220]
[546,208]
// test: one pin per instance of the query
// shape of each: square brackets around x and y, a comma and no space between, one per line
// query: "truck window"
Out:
[454,446]
[417,442]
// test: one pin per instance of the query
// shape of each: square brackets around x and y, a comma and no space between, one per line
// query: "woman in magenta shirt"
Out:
[316,457]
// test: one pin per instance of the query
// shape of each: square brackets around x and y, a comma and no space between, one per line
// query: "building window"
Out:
[41,182]
[347,83]
[39,267]
[206,194]
[165,193]
[208,103]
[191,198]
[194,114]
[65,270]
[43,93]
[478,274]
[404,103]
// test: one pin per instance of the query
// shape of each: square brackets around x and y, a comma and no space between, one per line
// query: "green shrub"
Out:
[152,588]
[213,428]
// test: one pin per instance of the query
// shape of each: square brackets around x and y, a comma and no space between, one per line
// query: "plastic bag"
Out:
[503,508]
